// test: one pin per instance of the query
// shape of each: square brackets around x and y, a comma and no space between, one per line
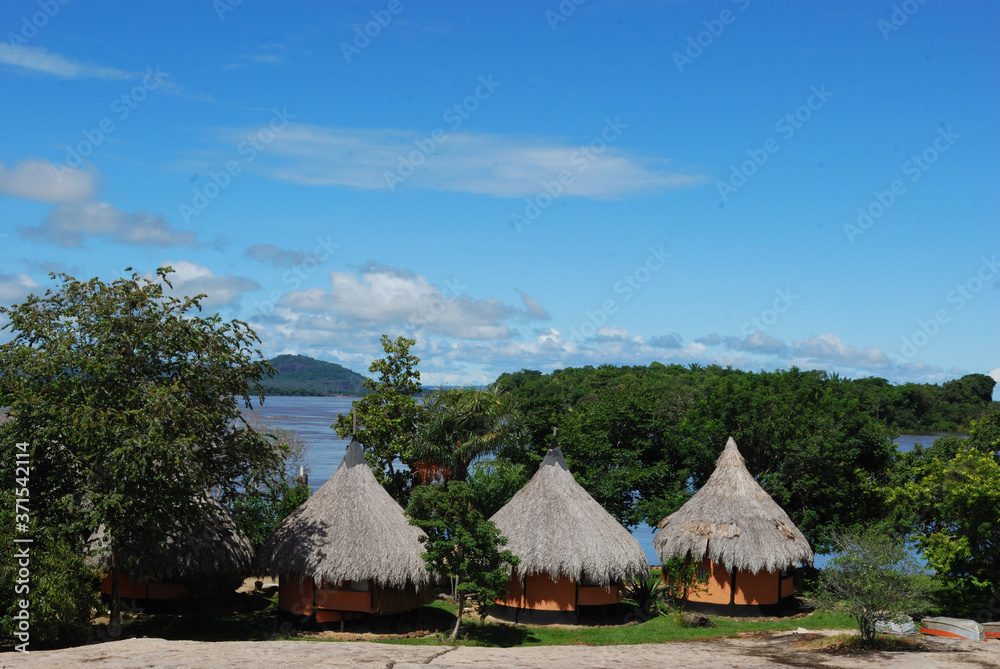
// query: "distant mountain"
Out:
[301,375]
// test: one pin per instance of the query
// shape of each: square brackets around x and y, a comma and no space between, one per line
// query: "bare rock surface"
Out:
[783,650]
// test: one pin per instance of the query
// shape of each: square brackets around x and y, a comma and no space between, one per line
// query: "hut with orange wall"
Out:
[573,553]
[740,539]
[348,551]
[215,546]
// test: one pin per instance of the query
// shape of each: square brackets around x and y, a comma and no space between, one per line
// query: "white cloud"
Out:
[668,341]
[67,225]
[758,342]
[503,166]
[15,287]
[382,296]
[41,180]
[828,348]
[38,59]
[995,374]
[190,279]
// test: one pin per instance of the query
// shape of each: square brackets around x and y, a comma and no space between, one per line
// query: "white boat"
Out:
[992,630]
[894,627]
[953,627]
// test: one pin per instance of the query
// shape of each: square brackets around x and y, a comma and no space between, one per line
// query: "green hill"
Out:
[301,375]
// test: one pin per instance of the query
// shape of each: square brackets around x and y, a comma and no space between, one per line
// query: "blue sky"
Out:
[524,184]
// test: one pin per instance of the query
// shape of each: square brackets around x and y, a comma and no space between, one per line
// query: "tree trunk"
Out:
[115,621]
[458,620]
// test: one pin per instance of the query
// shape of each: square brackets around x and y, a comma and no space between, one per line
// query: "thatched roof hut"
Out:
[733,522]
[557,529]
[216,545]
[352,530]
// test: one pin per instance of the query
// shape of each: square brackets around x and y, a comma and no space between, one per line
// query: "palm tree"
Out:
[460,425]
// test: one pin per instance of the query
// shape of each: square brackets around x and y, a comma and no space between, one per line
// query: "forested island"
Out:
[302,375]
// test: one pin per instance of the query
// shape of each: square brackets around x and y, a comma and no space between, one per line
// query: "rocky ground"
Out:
[779,650]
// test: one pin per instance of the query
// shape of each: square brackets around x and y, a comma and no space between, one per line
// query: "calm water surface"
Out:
[311,418]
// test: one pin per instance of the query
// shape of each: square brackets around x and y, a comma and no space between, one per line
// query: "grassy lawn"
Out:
[662,628]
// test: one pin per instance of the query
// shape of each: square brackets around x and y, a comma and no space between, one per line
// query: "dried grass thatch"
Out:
[556,528]
[733,522]
[352,530]
[215,546]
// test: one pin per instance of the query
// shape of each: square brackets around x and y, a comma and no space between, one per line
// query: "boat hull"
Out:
[953,627]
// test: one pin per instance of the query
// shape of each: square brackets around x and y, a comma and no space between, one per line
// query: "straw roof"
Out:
[215,545]
[352,530]
[556,528]
[733,522]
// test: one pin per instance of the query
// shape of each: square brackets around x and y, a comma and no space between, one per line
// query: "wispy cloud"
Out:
[275,255]
[829,349]
[498,165]
[40,60]
[69,225]
[41,180]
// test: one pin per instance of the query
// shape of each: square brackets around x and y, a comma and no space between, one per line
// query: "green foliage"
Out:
[387,415]
[461,543]
[874,578]
[258,512]
[59,588]
[682,578]
[644,592]
[494,482]
[952,501]
[303,376]
[925,407]
[459,425]
[128,398]
[642,439]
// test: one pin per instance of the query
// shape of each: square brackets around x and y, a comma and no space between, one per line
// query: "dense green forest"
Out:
[301,375]
[640,439]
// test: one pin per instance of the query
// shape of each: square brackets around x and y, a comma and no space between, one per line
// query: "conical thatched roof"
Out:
[215,545]
[352,530]
[733,522]
[556,528]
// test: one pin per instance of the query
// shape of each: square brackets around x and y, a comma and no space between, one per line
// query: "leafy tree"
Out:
[494,482]
[128,399]
[953,503]
[459,425]
[387,415]
[874,578]
[461,543]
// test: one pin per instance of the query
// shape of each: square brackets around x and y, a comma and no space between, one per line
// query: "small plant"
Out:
[644,592]
[682,578]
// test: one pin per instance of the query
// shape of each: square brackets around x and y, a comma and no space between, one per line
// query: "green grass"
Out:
[660,629]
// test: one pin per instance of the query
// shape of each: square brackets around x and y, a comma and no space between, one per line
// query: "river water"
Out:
[311,418]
